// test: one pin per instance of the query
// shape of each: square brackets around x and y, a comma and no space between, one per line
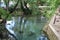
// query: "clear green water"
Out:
[30,26]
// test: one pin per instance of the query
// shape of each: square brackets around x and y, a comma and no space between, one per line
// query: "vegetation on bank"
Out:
[32,7]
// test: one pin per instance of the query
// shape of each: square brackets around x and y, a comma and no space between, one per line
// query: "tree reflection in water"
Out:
[25,28]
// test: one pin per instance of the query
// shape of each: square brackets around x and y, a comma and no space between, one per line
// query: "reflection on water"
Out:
[26,28]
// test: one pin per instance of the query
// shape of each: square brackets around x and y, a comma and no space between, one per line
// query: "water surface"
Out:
[27,28]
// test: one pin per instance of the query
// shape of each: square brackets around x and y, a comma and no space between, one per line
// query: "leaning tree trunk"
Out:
[3,30]
[15,7]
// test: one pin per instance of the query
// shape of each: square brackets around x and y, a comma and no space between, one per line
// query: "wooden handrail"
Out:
[44,6]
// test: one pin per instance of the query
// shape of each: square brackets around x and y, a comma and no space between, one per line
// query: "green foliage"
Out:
[47,12]
[53,6]
[4,14]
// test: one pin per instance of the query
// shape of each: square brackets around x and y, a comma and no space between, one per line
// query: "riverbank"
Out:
[53,28]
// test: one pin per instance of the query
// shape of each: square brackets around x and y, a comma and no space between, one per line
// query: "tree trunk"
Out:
[15,7]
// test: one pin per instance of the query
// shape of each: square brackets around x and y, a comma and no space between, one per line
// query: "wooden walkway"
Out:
[55,24]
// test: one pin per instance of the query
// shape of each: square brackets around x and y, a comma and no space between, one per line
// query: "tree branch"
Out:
[14,7]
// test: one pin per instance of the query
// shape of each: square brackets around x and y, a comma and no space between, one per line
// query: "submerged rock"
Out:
[42,37]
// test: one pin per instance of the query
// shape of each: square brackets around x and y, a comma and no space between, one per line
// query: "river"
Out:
[27,28]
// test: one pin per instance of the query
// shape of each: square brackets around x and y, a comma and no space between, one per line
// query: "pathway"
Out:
[55,23]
